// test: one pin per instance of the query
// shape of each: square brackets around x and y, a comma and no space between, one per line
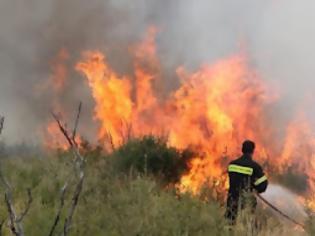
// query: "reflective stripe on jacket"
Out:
[246,174]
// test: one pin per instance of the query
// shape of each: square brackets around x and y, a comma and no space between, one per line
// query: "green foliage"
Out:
[151,155]
[119,203]
[139,207]
[109,204]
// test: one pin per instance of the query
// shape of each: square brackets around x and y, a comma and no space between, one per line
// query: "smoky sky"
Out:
[278,36]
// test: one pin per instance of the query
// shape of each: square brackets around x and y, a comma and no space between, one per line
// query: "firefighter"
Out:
[245,177]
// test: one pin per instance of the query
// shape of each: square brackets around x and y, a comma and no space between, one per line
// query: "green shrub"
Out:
[151,155]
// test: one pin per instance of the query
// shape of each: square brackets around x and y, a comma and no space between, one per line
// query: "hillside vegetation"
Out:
[124,193]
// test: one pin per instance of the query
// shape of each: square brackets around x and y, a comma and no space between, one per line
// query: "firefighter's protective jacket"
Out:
[245,175]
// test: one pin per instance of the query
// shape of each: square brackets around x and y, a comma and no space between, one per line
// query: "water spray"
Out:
[271,197]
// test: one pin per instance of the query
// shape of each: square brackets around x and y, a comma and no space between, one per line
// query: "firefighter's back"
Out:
[240,173]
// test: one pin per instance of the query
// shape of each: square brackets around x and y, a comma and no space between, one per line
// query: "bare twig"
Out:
[75,200]
[15,221]
[79,168]
[76,124]
[62,203]
[4,181]
[27,208]
[12,216]
[63,129]
[8,195]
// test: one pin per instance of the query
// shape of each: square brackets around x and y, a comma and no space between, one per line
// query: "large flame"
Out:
[213,110]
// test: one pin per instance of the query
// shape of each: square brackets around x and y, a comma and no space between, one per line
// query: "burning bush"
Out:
[151,155]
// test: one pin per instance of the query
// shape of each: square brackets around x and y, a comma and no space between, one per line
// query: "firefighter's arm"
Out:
[260,180]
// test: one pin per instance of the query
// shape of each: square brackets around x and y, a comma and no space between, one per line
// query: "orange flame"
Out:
[212,111]
[112,95]
[53,137]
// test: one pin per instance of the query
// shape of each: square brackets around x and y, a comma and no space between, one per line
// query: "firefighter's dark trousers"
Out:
[235,203]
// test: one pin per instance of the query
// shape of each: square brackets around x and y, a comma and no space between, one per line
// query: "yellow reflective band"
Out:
[240,169]
[260,180]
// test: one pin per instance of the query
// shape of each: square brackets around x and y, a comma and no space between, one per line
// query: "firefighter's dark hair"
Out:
[248,147]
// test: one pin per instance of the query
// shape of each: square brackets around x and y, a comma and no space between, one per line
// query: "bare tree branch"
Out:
[63,129]
[75,200]
[27,208]
[79,169]
[62,203]
[12,216]
[15,222]
[8,194]
[76,123]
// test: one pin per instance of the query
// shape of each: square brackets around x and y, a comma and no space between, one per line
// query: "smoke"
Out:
[285,201]
[277,35]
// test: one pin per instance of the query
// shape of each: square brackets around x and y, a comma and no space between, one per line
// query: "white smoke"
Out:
[278,37]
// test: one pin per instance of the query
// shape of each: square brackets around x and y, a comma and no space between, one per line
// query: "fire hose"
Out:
[280,212]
